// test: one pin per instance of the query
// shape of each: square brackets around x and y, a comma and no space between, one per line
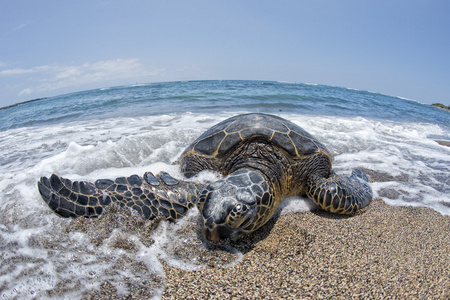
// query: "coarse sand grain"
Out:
[383,252]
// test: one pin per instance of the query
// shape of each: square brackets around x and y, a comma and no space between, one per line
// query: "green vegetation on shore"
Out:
[440,105]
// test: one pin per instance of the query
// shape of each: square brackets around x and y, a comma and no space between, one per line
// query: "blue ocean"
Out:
[120,131]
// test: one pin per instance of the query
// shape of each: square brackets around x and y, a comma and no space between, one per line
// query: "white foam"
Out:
[295,204]
[180,246]
[418,166]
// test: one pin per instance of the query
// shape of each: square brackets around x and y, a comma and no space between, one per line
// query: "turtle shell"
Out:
[229,134]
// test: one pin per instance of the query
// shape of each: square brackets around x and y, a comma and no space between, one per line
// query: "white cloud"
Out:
[21,26]
[26,91]
[17,71]
[52,77]
[20,71]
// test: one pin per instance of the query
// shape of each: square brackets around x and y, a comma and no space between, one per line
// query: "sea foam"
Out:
[45,256]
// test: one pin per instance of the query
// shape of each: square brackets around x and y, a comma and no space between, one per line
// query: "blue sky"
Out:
[399,48]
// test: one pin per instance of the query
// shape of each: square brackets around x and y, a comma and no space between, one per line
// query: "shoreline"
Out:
[443,143]
[385,251]
[24,102]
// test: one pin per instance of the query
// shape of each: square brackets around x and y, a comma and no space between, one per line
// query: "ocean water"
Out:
[120,131]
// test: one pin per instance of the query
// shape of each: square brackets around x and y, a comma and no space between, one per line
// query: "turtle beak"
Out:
[213,232]
[217,233]
[214,229]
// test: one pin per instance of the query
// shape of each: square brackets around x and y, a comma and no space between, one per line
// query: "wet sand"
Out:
[383,252]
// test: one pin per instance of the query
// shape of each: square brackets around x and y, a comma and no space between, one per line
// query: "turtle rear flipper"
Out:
[151,196]
[342,195]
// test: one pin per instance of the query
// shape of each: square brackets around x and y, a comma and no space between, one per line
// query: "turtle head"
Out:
[229,207]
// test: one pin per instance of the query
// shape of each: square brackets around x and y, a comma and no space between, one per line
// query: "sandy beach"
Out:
[381,252]
[384,252]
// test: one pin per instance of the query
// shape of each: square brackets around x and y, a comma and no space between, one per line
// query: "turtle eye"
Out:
[237,216]
[240,208]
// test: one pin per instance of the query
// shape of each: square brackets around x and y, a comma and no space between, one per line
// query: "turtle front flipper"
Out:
[342,195]
[151,196]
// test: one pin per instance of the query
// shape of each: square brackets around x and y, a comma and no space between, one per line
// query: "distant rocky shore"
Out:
[441,106]
[9,106]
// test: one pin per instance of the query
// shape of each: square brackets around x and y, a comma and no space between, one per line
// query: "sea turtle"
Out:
[263,159]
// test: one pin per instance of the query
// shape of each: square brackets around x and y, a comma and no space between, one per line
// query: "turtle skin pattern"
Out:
[151,196]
